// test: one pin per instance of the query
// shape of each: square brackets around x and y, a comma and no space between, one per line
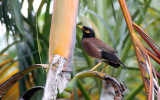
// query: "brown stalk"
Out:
[147,38]
[126,15]
[153,56]
[142,58]
[140,50]
[156,56]
[158,74]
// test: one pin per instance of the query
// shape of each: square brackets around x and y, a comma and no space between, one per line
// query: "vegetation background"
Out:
[24,40]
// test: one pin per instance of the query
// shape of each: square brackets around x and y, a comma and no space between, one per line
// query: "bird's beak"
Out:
[81,27]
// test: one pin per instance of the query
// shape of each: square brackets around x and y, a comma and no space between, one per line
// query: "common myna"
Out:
[98,49]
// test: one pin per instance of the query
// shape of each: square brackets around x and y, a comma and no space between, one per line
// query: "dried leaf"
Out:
[153,56]
[148,39]
[142,56]
[12,80]
[141,53]
[6,62]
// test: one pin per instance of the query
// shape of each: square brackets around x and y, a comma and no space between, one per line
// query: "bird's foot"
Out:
[94,71]
[96,66]
[104,68]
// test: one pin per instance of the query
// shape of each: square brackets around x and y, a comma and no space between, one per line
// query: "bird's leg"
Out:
[104,68]
[96,66]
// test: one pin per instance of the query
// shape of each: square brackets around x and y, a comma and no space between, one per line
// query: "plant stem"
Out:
[134,92]
[83,91]
[125,53]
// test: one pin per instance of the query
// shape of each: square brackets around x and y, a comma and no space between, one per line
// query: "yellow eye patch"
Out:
[87,31]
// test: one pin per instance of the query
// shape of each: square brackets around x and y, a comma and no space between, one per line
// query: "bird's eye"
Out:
[87,31]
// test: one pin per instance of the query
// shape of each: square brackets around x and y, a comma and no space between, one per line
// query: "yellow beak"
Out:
[81,27]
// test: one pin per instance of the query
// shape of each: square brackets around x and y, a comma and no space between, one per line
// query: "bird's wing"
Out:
[101,45]
[97,48]
[112,59]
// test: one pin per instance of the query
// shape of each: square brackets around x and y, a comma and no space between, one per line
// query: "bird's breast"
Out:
[91,49]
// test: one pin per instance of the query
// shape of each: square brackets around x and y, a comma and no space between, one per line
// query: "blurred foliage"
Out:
[26,37]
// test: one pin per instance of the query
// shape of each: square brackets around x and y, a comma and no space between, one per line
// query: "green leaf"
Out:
[5,49]
[1,12]
[118,87]
[15,8]
[31,92]
[63,95]
[132,95]
[106,26]
[84,92]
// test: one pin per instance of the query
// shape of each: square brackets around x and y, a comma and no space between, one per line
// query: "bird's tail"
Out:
[122,64]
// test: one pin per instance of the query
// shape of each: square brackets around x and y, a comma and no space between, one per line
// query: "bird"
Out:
[96,48]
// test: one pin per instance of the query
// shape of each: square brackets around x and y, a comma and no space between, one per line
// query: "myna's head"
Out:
[87,32]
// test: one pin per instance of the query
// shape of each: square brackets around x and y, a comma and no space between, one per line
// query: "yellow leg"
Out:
[104,68]
[96,66]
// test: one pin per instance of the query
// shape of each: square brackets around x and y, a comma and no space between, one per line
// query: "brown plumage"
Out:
[98,49]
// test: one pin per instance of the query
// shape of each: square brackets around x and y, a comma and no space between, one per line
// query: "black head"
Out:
[87,32]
